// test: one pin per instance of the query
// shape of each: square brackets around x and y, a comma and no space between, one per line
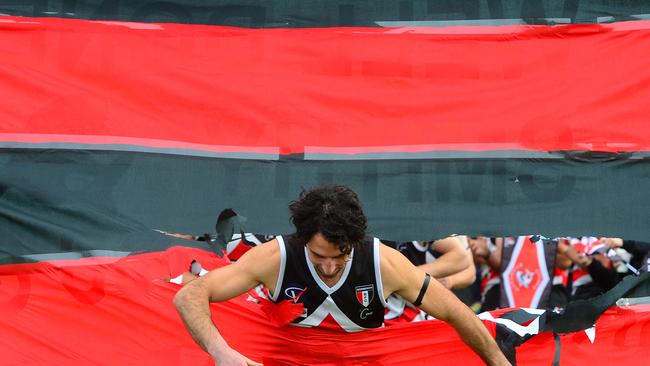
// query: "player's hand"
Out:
[182,236]
[613,243]
[230,357]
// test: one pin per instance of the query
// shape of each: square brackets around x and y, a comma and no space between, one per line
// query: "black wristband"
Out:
[423,290]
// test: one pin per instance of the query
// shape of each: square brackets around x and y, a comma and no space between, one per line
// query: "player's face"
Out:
[326,257]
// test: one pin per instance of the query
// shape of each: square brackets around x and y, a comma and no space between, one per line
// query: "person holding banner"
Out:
[337,276]
[593,272]
[639,250]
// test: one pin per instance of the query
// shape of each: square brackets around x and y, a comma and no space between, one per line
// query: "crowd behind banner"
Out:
[531,271]
[528,271]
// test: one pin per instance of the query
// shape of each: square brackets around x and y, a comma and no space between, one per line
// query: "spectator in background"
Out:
[592,272]
[559,297]
[487,256]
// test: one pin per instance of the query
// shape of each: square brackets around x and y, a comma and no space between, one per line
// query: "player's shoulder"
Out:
[395,268]
[262,258]
[271,247]
[390,257]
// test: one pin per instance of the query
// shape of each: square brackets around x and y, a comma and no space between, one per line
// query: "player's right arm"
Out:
[400,276]
[259,265]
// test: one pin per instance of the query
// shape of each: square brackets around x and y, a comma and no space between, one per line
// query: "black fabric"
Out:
[327,13]
[507,340]
[639,251]
[577,316]
[558,350]
[558,297]
[605,278]
[587,291]
[54,201]
[423,290]
[412,253]
[297,276]
[492,299]
[228,222]
[582,314]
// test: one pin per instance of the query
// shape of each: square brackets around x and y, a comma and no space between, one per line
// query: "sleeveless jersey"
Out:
[417,253]
[354,303]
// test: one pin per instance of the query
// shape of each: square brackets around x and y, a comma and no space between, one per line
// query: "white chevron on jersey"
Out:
[328,307]
[396,306]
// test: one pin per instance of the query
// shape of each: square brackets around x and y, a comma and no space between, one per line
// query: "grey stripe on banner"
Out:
[469,22]
[139,148]
[610,18]
[442,154]
[75,255]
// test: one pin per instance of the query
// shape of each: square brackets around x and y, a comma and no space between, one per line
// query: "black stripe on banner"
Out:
[74,200]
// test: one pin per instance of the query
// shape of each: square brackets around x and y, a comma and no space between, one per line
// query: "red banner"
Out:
[108,311]
[117,85]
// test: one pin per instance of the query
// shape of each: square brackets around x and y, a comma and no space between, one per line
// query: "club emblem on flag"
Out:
[365,294]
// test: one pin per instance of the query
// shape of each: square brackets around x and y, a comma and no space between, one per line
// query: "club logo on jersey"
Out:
[365,294]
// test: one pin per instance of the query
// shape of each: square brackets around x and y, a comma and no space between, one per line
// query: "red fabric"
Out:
[525,276]
[238,251]
[570,87]
[283,312]
[120,313]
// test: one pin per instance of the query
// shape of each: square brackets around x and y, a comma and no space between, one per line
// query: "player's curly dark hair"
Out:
[333,210]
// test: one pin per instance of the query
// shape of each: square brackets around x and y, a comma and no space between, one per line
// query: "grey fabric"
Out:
[66,201]
[328,13]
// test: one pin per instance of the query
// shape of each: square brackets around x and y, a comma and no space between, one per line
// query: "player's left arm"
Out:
[400,276]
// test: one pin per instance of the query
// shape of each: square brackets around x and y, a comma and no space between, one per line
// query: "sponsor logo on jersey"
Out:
[294,293]
[364,313]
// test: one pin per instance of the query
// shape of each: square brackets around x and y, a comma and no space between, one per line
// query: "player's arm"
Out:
[453,259]
[461,279]
[258,265]
[402,277]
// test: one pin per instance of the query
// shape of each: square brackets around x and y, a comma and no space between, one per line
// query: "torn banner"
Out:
[108,311]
